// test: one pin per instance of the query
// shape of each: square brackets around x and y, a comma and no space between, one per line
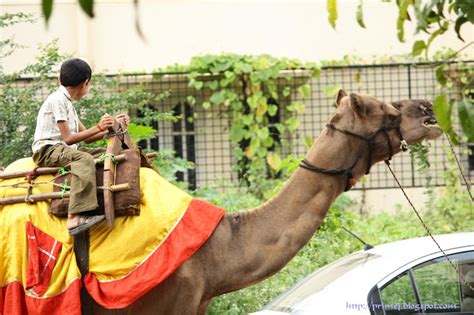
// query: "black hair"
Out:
[74,72]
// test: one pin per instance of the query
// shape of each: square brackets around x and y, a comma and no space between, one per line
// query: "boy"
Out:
[58,130]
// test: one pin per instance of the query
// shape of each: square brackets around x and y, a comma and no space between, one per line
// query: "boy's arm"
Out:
[97,136]
[71,138]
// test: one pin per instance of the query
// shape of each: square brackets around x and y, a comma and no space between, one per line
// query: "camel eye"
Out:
[393,119]
[424,109]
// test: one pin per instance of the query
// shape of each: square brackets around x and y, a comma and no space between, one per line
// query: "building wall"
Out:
[176,30]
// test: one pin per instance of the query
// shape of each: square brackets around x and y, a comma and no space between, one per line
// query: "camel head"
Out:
[364,115]
[368,130]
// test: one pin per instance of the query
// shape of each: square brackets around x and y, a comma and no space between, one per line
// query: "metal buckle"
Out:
[403,145]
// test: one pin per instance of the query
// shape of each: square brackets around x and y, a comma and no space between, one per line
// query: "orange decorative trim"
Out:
[13,301]
[196,226]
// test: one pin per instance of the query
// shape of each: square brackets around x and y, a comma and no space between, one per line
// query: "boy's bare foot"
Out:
[78,223]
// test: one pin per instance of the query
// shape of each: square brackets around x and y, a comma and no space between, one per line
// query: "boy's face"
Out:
[83,89]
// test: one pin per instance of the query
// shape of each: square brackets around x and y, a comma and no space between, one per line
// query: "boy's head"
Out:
[74,72]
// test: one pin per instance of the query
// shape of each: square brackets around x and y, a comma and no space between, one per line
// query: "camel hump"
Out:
[22,164]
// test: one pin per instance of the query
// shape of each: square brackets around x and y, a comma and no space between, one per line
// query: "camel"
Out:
[248,247]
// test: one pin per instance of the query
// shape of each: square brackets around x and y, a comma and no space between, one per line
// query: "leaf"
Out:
[198,85]
[305,90]
[457,26]
[217,98]
[88,7]
[297,106]
[191,100]
[292,123]
[466,118]
[263,133]
[249,152]
[331,90]
[418,47]
[272,110]
[316,72]
[47,7]
[440,77]
[206,105]
[332,10]
[139,132]
[308,141]
[247,119]
[274,160]
[254,100]
[237,133]
[443,28]
[213,85]
[442,112]
[360,13]
[402,16]
[261,108]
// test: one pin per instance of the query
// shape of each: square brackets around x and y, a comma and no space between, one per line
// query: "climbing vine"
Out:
[258,95]
[446,103]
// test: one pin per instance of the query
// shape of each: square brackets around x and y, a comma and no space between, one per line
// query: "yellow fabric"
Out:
[114,252]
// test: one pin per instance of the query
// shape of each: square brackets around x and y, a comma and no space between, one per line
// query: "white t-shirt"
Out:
[57,107]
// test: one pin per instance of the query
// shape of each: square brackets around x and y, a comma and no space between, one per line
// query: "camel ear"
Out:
[339,97]
[358,105]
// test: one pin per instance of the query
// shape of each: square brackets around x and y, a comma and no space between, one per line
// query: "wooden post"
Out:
[52,195]
[113,148]
[53,170]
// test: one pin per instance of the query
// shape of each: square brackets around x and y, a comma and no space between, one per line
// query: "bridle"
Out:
[346,174]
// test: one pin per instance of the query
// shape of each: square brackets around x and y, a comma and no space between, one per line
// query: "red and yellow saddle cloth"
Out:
[38,270]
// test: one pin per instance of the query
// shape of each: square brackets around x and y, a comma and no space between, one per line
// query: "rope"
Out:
[468,186]
[65,187]
[63,171]
[102,158]
[428,230]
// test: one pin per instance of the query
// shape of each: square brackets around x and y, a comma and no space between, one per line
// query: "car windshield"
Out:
[318,281]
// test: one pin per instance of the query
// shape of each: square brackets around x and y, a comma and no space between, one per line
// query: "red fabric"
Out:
[13,301]
[43,251]
[196,226]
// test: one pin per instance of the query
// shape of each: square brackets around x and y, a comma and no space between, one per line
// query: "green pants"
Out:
[83,193]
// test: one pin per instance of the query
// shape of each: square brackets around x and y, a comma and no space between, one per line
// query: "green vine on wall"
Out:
[254,90]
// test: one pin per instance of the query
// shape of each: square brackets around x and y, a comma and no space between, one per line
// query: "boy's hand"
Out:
[123,118]
[106,122]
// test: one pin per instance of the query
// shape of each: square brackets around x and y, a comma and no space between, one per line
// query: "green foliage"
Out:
[168,165]
[332,11]
[20,100]
[446,104]
[256,148]
[433,17]
[450,212]
[19,104]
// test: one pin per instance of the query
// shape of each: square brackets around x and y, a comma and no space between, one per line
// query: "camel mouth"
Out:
[432,127]
[430,120]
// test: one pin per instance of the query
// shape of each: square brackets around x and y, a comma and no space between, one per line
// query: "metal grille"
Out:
[202,135]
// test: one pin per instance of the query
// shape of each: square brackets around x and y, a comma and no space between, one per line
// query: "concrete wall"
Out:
[176,30]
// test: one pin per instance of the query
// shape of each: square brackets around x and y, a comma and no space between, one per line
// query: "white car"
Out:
[404,277]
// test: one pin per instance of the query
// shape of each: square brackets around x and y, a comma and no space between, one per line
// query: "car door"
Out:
[435,286]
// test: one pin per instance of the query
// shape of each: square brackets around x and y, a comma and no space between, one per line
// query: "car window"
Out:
[318,281]
[398,294]
[433,287]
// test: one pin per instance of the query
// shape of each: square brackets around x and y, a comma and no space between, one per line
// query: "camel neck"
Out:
[267,237]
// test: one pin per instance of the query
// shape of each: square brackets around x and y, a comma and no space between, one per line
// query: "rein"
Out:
[350,181]
[347,173]
[461,276]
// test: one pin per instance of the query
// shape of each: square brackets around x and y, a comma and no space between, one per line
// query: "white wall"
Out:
[176,30]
